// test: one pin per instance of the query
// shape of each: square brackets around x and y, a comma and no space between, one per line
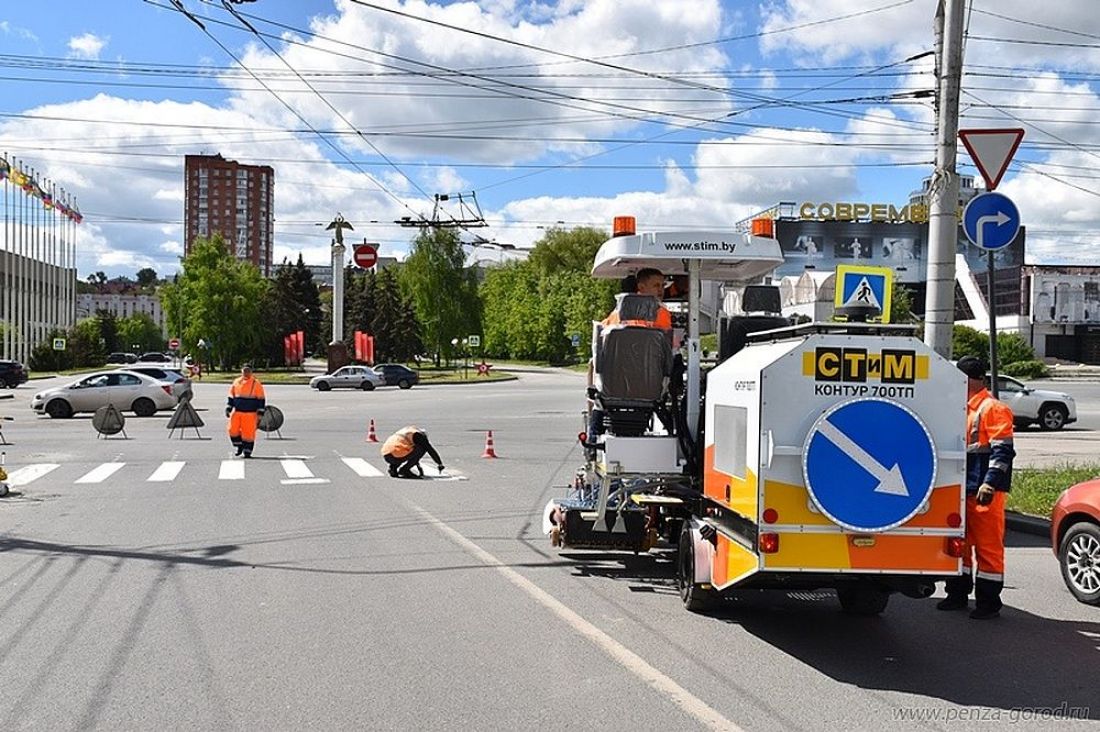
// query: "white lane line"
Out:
[231,470]
[431,473]
[632,662]
[304,481]
[101,473]
[166,472]
[30,473]
[296,469]
[361,467]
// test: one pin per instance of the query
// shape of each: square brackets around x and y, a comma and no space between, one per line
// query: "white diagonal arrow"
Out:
[998,218]
[890,480]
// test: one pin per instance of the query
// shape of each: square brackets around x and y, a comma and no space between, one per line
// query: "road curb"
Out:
[1027,524]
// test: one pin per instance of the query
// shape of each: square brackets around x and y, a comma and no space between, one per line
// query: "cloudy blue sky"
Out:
[684,113]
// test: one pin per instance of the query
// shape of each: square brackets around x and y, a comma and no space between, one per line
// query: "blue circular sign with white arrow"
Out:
[991,221]
[869,464]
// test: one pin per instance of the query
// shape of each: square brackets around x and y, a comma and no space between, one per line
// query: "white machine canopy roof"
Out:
[723,255]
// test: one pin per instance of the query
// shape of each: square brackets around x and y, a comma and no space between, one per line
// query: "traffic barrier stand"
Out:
[371,436]
[489,451]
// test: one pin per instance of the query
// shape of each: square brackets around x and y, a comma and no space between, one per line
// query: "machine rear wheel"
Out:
[696,599]
[862,600]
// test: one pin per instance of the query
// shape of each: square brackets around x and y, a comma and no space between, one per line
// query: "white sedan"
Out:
[131,392]
[1051,410]
[348,377]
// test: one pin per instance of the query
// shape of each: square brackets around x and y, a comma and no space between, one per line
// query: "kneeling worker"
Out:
[244,409]
[403,450]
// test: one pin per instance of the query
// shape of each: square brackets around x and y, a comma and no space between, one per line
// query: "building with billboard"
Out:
[232,199]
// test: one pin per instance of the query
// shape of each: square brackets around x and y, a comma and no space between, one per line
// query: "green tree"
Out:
[44,358]
[901,304]
[108,330]
[1011,347]
[442,290]
[393,323]
[218,299]
[291,303]
[566,250]
[85,344]
[146,277]
[141,330]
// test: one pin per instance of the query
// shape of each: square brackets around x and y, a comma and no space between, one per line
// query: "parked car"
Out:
[154,357]
[348,377]
[1051,410]
[12,373]
[395,373]
[1075,536]
[119,357]
[181,384]
[137,393]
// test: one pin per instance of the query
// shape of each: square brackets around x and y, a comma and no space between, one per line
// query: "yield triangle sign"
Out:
[992,151]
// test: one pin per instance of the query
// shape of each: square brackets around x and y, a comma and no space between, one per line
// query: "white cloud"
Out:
[87,46]
[172,247]
[8,29]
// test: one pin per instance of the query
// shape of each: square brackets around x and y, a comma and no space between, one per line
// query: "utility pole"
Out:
[337,351]
[943,224]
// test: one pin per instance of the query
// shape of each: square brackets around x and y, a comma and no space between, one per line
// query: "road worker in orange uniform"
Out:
[989,455]
[244,410]
[403,450]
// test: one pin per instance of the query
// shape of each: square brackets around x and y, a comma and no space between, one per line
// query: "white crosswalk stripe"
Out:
[166,472]
[298,473]
[100,473]
[30,473]
[361,467]
[231,470]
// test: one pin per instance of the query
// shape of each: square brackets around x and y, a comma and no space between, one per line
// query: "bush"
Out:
[1026,369]
[1011,347]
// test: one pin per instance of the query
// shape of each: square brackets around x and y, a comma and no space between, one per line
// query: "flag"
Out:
[18,177]
[47,200]
[4,168]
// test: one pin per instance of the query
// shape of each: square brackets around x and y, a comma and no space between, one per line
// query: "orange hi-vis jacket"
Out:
[246,395]
[663,319]
[989,445]
[400,443]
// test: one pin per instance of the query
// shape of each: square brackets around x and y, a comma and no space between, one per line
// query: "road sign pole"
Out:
[992,328]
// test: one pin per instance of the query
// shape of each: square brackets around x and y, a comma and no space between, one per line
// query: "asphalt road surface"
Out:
[146,585]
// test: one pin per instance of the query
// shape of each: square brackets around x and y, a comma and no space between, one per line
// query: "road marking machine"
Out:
[825,455]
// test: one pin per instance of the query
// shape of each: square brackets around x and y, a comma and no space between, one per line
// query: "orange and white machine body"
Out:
[833,453]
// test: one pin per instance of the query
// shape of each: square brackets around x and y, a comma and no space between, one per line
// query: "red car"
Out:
[1075,535]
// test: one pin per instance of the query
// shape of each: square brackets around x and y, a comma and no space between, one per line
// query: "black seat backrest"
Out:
[633,363]
[636,307]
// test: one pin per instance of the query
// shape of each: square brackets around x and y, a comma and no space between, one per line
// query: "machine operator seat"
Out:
[633,360]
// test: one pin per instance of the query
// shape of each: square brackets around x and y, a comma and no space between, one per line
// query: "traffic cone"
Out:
[489,451]
[371,436]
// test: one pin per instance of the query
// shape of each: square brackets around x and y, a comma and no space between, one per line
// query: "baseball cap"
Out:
[972,366]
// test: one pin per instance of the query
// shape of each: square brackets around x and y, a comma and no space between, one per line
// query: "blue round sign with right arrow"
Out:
[991,221]
[869,464]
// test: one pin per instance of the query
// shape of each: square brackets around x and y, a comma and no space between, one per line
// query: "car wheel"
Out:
[695,598]
[1052,416]
[367,386]
[59,409]
[1079,557]
[323,386]
[144,407]
[862,600]
[405,384]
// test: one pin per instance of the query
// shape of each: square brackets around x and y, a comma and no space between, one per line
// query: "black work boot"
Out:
[953,603]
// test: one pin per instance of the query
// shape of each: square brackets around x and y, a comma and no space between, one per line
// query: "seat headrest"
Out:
[632,306]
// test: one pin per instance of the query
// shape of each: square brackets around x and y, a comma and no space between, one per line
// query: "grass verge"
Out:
[1034,490]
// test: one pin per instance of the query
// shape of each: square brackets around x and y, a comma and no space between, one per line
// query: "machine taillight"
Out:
[770,516]
[954,520]
[955,546]
[167,389]
[768,543]
[623,226]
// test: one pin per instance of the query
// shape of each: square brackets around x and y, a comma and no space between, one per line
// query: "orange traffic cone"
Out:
[371,436]
[489,451]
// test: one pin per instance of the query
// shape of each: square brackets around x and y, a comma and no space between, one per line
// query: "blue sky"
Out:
[693,113]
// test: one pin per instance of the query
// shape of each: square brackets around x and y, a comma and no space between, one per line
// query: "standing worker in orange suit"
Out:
[989,455]
[244,410]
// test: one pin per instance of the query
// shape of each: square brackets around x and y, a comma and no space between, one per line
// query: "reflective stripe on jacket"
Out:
[989,446]
[663,319]
[400,443]
[246,395]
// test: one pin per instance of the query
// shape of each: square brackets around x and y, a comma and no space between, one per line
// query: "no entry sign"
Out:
[366,256]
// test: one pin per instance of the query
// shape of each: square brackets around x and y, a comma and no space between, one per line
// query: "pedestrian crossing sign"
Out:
[869,286]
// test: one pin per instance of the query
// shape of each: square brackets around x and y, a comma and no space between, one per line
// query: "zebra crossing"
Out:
[296,470]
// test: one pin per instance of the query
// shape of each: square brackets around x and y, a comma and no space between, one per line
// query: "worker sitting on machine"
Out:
[632,360]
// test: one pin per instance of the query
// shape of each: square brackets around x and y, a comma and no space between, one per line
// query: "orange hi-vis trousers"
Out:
[242,430]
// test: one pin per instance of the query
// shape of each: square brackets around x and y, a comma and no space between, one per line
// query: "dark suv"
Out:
[12,374]
[395,373]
